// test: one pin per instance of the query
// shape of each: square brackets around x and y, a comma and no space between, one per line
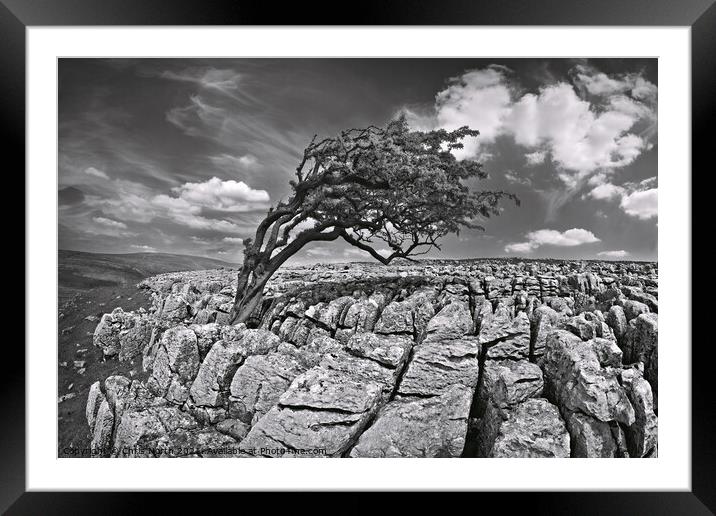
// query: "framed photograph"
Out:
[432,234]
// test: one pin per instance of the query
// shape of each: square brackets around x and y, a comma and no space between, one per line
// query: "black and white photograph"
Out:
[357,257]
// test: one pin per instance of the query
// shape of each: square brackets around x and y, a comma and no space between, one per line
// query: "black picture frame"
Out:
[700,15]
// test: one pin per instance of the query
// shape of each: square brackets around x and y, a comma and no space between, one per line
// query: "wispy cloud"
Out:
[102,221]
[91,171]
[234,163]
[146,248]
[514,178]
[226,82]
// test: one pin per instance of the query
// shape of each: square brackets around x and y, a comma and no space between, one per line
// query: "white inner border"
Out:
[670,471]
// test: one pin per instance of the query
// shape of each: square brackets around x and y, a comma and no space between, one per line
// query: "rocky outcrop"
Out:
[445,358]
[175,365]
[131,422]
[607,408]
[209,392]
[390,351]
[325,409]
[594,438]
[429,415]
[123,334]
[95,398]
[259,383]
[397,317]
[507,383]
[216,372]
[261,380]
[641,436]
[641,345]
[515,420]
[453,321]
[504,336]
[544,320]
[533,428]
[321,414]
[638,294]
[633,309]
[576,380]
[487,358]
[419,427]
[617,321]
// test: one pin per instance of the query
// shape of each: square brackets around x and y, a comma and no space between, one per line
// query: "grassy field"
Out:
[79,271]
[88,286]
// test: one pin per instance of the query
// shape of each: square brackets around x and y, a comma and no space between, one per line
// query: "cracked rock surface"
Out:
[483,358]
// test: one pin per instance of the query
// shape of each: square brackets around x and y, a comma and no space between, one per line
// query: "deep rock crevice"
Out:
[483,358]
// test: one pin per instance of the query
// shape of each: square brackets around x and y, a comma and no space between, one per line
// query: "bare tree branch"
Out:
[389,187]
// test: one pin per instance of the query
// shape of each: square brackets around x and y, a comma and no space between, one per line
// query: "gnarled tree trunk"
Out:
[259,266]
[249,295]
[253,276]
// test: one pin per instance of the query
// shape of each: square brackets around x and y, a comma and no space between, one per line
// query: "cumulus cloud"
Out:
[138,203]
[480,99]
[582,132]
[91,171]
[581,138]
[606,191]
[621,253]
[233,196]
[643,204]
[109,223]
[600,84]
[569,238]
[535,158]
[233,240]
[638,200]
[519,247]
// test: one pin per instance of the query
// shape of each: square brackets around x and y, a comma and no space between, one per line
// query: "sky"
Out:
[187,155]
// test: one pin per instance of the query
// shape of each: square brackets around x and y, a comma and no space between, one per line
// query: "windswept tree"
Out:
[376,188]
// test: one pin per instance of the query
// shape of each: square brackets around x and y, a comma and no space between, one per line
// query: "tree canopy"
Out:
[375,188]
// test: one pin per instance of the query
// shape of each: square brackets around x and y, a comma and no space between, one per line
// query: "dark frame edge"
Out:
[537,503]
[370,12]
[12,131]
[703,110]
[702,499]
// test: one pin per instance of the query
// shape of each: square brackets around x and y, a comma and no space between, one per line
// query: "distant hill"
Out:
[81,271]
